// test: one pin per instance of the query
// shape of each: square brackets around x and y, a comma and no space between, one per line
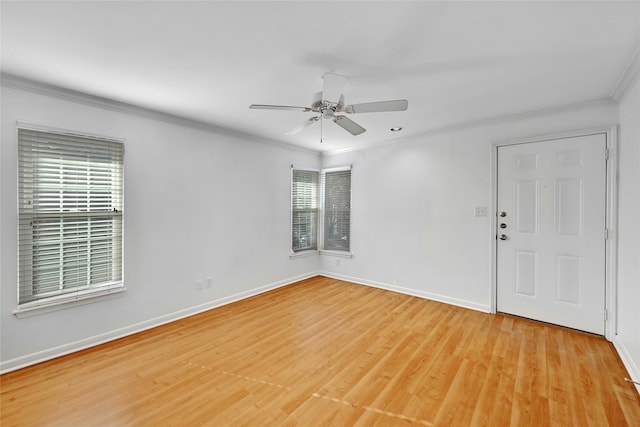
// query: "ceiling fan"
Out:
[331,101]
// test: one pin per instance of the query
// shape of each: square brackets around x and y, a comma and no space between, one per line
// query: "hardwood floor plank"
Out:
[328,352]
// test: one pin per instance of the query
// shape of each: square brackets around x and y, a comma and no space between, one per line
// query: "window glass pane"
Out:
[70,213]
[304,231]
[304,210]
[337,210]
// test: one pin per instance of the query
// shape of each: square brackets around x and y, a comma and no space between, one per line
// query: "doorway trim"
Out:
[611,216]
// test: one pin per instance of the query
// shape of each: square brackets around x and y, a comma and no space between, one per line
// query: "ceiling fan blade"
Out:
[377,107]
[332,87]
[303,125]
[278,107]
[349,125]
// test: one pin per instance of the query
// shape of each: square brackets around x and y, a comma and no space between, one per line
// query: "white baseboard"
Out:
[627,360]
[52,353]
[413,292]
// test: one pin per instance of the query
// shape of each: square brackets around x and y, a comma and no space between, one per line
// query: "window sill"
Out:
[341,254]
[303,254]
[66,301]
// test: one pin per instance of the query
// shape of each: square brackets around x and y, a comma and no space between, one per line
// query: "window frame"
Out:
[320,221]
[335,252]
[312,250]
[89,292]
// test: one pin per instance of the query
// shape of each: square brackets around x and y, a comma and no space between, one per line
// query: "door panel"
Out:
[551,265]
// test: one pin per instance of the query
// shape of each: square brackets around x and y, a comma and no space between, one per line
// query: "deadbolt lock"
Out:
[503,225]
[503,214]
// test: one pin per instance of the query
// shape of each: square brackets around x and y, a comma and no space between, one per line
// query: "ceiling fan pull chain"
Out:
[320,129]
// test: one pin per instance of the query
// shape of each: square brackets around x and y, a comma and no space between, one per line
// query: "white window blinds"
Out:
[337,209]
[304,210]
[70,191]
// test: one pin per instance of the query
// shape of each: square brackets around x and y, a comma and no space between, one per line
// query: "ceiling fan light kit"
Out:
[330,101]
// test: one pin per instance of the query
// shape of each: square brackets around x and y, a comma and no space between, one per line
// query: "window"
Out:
[70,202]
[333,220]
[304,210]
[336,185]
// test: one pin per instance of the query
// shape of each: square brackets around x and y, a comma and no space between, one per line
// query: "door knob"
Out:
[503,225]
[503,237]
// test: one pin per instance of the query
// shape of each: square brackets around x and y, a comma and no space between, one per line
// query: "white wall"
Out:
[197,204]
[413,224]
[413,220]
[628,338]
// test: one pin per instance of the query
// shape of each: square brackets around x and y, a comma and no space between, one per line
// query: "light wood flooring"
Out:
[324,352]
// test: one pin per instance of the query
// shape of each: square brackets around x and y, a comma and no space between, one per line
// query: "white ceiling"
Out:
[456,62]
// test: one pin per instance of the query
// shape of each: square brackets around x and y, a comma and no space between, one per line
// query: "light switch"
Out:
[480,211]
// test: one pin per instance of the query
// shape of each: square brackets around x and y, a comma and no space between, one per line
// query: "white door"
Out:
[551,231]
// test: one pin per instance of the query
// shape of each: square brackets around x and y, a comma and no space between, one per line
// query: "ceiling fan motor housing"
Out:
[326,108]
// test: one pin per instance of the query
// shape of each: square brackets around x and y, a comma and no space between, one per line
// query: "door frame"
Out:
[611,215]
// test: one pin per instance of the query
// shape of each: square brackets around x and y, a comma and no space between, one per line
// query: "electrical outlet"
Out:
[199,284]
[209,282]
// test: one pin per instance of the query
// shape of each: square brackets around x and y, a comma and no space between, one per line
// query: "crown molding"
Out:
[52,91]
[487,121]
[628,78]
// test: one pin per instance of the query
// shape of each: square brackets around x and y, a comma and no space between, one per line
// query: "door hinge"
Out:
[606,154]
[606,314]
[606,234]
